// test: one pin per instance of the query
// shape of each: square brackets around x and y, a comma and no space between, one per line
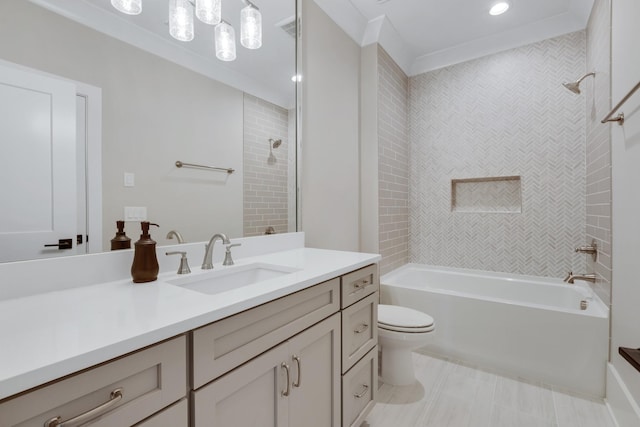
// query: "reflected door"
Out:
[38,173]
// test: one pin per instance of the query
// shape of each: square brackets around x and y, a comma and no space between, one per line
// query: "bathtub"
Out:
[524,326]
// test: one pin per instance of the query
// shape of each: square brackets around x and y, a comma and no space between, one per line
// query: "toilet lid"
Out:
[403,319]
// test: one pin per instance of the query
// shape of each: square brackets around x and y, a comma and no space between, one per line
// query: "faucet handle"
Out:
[227,255]
[184,264]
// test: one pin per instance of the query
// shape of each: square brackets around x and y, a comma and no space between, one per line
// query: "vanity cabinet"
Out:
[121,392]
[297,381]
[360,296]
[307,358]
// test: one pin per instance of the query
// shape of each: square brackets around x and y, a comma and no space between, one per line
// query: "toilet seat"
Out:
[403,319]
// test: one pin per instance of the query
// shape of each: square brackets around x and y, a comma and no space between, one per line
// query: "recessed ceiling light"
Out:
[499,8]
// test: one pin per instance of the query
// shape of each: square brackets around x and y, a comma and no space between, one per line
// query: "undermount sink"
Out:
[222,279]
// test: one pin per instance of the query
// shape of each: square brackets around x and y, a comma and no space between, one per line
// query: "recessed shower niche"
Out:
[502,194]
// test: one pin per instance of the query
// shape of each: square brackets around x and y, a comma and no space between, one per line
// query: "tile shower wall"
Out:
[265,170]
[393,162]
[502,115]
[598,99]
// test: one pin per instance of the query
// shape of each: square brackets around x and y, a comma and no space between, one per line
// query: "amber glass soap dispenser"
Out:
[145,263]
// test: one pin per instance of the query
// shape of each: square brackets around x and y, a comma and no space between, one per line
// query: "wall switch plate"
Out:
[129,179]
[135,213]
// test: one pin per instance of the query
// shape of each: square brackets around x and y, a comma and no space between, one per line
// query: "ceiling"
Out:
[423,35]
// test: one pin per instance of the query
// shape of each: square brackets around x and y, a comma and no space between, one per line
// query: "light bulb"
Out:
[250,27]
[225,42]
[130,7]
[209,11]
[499,8]
[181,20]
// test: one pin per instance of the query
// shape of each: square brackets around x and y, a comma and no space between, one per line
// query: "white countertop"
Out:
[50,335]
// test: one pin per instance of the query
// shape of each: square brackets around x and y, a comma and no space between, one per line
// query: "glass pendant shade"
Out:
[250,28]
[209,11]
[181,20]
[225,42]
[130,7]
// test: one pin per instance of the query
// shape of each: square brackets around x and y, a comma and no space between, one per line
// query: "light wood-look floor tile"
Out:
[452,394]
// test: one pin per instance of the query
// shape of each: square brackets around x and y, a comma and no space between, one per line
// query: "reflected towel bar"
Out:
[620,117]
[191,165]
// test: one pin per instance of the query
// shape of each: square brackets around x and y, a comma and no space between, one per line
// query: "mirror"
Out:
[156,101]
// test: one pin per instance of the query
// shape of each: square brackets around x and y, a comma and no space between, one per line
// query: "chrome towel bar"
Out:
[180,164]
[620,117]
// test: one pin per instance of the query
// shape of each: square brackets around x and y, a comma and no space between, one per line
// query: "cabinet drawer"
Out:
[176,415]
[150,380]
[359,330]
[359,390]
[359,284]
[221,346]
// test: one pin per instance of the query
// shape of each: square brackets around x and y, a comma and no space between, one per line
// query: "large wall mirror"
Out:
[97,106]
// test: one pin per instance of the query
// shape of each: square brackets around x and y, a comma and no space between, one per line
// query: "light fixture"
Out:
[209,11]
[250,27]
[296,78]
[181,20]
[499,8]
[225,42]
[130,7]
[181,23]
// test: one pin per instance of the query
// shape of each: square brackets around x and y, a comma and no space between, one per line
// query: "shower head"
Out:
[575,86]
[276,143]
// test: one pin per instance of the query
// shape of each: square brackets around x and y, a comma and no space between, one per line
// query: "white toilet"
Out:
[401,330]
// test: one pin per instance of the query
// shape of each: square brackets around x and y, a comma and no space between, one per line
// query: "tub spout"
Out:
[587,277]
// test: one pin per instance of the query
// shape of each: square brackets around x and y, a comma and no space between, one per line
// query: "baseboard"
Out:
[622,406]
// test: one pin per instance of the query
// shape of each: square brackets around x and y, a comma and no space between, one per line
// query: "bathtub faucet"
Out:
[588,277]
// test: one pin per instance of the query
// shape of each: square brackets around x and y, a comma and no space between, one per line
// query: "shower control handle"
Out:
[591,249]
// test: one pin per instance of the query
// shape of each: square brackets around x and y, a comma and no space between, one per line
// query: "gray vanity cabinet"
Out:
[296,383]
[122,392]
[306,359]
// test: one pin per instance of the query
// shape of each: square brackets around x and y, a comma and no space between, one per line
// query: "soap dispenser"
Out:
[145,263]
[121,240]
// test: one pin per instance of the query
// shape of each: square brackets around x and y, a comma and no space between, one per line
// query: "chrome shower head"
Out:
[276,143]
[575,86]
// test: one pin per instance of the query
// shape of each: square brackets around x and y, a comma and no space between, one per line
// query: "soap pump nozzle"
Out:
[145,266]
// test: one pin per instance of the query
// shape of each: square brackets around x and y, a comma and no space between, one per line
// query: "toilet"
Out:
[401,330]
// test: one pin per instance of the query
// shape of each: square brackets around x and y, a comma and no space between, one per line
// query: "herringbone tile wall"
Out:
[502,115]
[597,95]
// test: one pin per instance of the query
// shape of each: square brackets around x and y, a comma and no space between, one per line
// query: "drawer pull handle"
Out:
[360,284]
[116,396]
[286,392]
[362,393]
[361,328]
[298,380]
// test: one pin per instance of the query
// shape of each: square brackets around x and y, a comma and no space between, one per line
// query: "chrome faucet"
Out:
[177,235]
[588,277]
[207,262]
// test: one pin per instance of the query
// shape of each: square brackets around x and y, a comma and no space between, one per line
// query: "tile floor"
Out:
[452,394]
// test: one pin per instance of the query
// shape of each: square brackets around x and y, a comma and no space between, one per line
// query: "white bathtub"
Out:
[526,326]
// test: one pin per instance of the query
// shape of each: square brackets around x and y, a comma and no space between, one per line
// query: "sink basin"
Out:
[222,279]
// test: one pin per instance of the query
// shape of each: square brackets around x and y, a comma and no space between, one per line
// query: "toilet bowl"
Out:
[401,330]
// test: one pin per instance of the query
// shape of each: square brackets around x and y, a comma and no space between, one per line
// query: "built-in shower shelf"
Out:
[632,355]
[499,194]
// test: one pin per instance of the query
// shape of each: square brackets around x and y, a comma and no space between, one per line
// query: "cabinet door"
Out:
[252,395]
[315,375]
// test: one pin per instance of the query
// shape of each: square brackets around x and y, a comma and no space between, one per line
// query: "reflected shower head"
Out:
[276,143]
[575,86]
